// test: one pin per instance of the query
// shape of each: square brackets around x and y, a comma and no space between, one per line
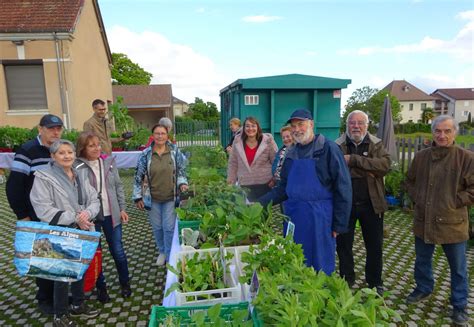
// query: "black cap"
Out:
[301,114]
[49,121]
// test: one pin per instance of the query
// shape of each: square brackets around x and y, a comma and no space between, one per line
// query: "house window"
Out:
[410,107]
[25,85]
[251,100]
[465,113]
[423,106]
[466,103]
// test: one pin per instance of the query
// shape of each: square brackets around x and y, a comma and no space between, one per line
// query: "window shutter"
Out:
[25,87]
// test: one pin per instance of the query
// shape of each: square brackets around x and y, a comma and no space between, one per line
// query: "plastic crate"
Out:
[159,313]
[257,321]
[231,294]
[240,270]
[193,224]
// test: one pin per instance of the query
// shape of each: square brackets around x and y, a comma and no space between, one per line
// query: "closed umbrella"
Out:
[386,132]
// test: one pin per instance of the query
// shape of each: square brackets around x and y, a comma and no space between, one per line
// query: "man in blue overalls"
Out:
[316,184]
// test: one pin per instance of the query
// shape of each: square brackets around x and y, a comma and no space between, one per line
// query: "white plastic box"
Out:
[231,294]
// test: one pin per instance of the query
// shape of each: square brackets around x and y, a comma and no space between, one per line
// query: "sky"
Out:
[200,47]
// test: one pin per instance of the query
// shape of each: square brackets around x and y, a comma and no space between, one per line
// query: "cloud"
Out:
[260,19]
[190,73]
[460,47]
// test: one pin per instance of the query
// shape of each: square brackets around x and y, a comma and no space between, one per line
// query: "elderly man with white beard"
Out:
[368,163]
[316,185]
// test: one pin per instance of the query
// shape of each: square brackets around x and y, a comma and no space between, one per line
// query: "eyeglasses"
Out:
[358,122]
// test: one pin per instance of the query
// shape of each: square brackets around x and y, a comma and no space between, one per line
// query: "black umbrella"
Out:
[385,131]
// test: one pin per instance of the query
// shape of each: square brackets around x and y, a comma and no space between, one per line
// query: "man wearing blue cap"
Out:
[316,184]
[30,157]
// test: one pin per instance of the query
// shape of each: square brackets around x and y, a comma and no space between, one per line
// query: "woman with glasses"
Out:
[104,177]
[159,176]
[250,163]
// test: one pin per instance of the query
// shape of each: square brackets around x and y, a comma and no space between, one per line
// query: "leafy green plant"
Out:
[393,182]
[302,297]
[199,272]
[239,318]
[274,254]
[123,121]
[71,135]
[12,137]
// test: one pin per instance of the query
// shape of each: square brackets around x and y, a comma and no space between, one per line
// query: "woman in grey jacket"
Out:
[104,177]
[59,190]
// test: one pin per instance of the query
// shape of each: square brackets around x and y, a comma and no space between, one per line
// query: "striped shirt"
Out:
[30,157]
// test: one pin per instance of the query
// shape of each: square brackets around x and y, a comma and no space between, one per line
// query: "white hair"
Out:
[366,117]
[55,146]
[442,118]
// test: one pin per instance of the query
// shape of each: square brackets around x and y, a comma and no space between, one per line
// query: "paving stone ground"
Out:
[17,295]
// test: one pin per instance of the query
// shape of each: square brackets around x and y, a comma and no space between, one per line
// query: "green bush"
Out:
[11,137]
[409,128]
[393,182]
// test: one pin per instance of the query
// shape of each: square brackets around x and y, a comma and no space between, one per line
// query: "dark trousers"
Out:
[114,240]
[372,232]
[45,290]
[61,296]
[256,191]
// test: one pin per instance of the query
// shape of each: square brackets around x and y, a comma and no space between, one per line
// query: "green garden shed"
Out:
[272,99]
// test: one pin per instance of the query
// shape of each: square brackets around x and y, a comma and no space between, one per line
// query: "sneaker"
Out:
[460,317]
[417,296]
[160,261]
[379,290]
[102,295]
[126,290]
[83,311]
[62,321]
[46,307]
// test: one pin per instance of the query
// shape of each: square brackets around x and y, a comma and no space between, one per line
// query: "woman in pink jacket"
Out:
[250,164]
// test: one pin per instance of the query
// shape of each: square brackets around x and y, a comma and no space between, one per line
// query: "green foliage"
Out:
[199,110]
[71,135]
[12,137]
[233,315]
[206,157]
[393,182]
[371,102]
[410,127]
[139,138]
[123,121]
[275,253]
[126,72]
[427,115]
[199,272]
[302,297]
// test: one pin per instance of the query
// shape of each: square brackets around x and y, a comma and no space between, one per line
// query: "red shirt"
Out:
[250,153]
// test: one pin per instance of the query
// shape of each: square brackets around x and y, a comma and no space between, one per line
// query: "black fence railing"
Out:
[197,133]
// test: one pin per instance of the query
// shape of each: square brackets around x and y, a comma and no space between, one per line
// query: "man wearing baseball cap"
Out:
[316,184]
[30,157]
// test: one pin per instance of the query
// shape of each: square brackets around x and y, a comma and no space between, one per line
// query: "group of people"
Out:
[327,187]
[78,185]
[324,187]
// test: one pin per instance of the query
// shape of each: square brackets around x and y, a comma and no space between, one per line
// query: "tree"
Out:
[427,115]
[370,101]
[126,72]
[203,111]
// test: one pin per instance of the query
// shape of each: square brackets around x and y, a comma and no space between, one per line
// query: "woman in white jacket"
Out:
[60,193]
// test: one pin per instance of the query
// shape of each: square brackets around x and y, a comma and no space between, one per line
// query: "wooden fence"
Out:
[407,148]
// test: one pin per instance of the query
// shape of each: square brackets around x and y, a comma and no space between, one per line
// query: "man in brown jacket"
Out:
[100,126]
[368,162]
[440,183]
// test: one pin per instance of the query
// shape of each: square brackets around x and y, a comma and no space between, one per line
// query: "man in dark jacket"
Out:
[316,185]
[440,183]
[368,163]
[30,157]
